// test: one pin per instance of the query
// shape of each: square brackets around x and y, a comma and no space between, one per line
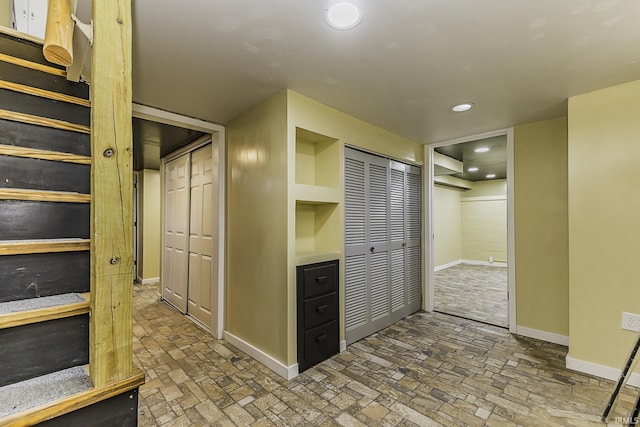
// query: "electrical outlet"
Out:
[630,322]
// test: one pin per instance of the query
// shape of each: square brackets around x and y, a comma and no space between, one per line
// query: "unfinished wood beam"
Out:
[110,330]
[58,38]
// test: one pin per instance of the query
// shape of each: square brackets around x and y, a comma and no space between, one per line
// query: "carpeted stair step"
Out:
[43,335]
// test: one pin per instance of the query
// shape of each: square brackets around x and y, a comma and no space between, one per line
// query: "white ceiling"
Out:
[402,68]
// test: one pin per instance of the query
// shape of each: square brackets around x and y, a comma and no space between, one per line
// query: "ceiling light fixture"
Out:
[481,149]
[461,108]
[472,169]
[343,15]
[491,175]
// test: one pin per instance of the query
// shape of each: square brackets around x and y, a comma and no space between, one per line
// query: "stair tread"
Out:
[38,391]
[37,303]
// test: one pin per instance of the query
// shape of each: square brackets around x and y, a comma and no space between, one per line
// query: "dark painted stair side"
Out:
[44,138]
[42,275]
[37,349]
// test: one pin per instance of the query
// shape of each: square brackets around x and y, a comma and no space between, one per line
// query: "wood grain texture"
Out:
[111,354]
[20,247]
[20,318]
[42,121]
[34,153]
[32,65]
[43,196]
[73,403]
[58,39]
[43,93]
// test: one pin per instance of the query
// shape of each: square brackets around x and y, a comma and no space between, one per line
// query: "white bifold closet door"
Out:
[382,242]
[175,259]
[189,210]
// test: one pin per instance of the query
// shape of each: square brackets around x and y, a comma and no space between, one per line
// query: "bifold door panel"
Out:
[382,242]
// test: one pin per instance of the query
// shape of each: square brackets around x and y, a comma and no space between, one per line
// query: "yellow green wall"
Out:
[447,237]
[484,221]
[5,13]
[256,291]
[149,224]
[261,211]
[604,222]
[541,242]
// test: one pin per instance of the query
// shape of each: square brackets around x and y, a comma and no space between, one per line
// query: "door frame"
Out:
[216,136]
[511,255]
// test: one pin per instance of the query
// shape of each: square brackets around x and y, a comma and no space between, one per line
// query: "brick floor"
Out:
[428,369]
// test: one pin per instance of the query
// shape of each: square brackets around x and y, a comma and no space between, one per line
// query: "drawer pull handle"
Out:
[321,280]
[321,338]
[322,308]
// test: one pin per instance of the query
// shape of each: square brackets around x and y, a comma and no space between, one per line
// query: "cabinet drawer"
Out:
[321,342]
[320,279]
[320,310]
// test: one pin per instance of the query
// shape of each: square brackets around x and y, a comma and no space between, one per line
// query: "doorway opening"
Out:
[161,137]
[471,271]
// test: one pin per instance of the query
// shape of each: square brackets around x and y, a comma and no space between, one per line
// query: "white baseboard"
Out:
[343,345]
[147,281]
[542,335]
[601,371]
[487,263]
[287,372]
[448,265]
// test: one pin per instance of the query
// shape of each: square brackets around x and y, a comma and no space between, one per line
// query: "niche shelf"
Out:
[317,232]
[317,160]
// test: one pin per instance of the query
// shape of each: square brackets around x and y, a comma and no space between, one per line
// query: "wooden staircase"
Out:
[45,250]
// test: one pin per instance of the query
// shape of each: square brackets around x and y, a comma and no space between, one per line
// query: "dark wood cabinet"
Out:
[317,305]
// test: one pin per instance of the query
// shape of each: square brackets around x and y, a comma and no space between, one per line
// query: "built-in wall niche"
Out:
[317,159]
[317,230]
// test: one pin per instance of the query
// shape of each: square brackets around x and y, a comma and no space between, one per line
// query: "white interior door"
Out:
[175,260]
[200,236]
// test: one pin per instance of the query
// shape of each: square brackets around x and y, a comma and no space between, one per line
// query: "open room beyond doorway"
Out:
[198,269]
[469,270]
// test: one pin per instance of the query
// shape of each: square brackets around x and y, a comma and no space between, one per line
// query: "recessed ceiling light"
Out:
[343,15]
[491,175]
[461,108]
[481,149]
[472,169]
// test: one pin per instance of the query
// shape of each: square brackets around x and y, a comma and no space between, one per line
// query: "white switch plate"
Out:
[630,322]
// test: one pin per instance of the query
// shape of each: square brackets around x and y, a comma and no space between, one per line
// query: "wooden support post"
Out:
[110,335]
[58,39]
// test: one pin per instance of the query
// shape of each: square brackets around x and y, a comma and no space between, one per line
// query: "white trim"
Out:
[216,134]
[287,372]
[601,371]
[511,232]
[343,345]
[542,335]
[483,198]
[447,265]
[487,263]
[163,116]
[148,281]
[511,257]
[193,146]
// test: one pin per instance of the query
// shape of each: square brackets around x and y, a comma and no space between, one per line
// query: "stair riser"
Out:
[43,220]
[37,174]
[42,275]
[26,50]
[44,138]
[121,411]
[37,349]
[42,107]
[34,78]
